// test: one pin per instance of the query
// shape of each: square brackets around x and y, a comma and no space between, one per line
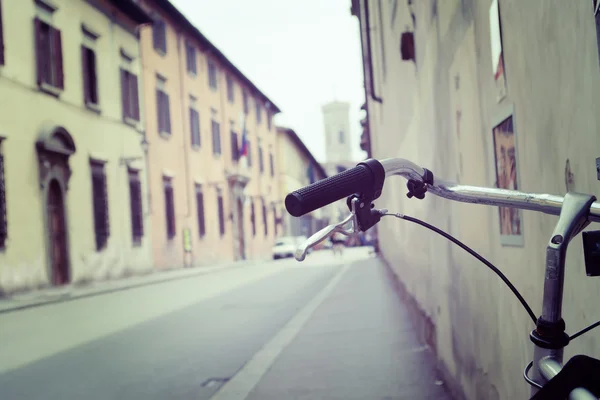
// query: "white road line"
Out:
[240,386]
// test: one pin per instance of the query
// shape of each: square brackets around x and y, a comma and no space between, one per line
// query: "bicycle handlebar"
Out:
[336,187]
[333,188]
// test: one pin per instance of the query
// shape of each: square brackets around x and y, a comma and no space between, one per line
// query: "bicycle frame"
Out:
[575,212]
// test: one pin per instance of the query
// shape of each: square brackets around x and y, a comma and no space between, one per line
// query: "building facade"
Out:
[73,203]
[338,148]
[336,121]
[297,168]
[209,202]
[491,93]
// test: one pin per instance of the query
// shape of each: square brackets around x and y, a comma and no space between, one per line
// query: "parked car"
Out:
[285,247]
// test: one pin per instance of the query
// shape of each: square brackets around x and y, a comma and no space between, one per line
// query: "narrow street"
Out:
[325,328]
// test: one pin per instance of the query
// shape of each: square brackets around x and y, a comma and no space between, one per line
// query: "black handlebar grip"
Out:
[319,194]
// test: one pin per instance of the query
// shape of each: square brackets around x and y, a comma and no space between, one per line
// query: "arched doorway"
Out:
[54,148]
[57,235]
[241,243]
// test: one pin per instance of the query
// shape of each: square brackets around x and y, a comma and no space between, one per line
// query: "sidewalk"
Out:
[359,342]
[42,297]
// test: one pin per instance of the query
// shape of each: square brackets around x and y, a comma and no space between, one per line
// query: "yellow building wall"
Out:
[190,166]
[26,111]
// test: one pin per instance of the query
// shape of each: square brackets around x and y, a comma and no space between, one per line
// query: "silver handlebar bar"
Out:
[546,203]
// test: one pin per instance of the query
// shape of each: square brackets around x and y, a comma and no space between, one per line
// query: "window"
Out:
[272,164]
[248,150]
[169,207]
[100,204]
[3,217]
[195,127]
[159,35]
[246,102]
[90,79]
[261,165]
[212,75]
[274,220]
[258,113]
[1,53]
[162,107]
[264,212]
[216,137]
[235,151]
[49,58]
[190,52]
[200,210]
[221,213]
[341,136]
[135,204]
[252,218]
[129,96]
[230,90]
[269,120]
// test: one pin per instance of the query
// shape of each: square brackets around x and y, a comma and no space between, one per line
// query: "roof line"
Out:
[167,6]
[298,142]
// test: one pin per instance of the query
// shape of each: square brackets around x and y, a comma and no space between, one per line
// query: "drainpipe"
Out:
[145,143]
[186,158]
[370,58]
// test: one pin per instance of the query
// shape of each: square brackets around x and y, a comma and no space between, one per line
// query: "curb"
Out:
[63,298]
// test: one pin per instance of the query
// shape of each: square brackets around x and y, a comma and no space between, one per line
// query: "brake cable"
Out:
[474,254]
[489,265]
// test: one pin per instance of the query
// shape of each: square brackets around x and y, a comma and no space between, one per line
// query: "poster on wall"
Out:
[496,50]
[511,230]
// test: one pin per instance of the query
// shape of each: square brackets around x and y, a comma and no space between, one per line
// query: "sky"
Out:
[301,54]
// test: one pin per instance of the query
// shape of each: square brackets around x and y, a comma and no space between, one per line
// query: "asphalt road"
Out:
[185,353]
[325,328]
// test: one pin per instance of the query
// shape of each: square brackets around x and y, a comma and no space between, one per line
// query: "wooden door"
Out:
[57,233]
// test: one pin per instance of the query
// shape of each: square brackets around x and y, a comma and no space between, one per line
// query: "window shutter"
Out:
[221,215]
[249,153]
[93,77]
[159,111]
[167,110]
[264,210]
[59,79]
[124,93]
[155,34]
[253,218]
[1,45]
[3,218]
[195,127]
[100,205]
[86,76]
[137,217]
[170,211]
[234,146]
[39,51]
[134,99]
[200,205]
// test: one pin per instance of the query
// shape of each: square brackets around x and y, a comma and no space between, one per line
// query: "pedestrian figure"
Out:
[338,241]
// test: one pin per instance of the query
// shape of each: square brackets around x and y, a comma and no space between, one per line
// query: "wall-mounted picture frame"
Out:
[507,175]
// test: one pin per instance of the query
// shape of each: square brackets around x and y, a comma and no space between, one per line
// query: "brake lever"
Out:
[324,234]
[329,230]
